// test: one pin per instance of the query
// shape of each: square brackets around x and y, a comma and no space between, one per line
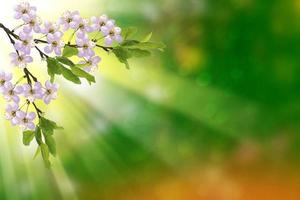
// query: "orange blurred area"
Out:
[211,183]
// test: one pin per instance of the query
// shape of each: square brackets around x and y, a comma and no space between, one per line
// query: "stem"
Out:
[10,33]
[38,111]
[26,71]
[40,41]
[27,74]
[19,80]
[27,102]
[16,28]
[42,54]
[107,49]
[71,37]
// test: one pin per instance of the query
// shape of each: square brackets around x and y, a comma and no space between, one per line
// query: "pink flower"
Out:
[50,92]
[81,25]
[55,43]
[24,10]
[33,92]
[11,113]
[85,47]
[20,60]
[112,33]
[25,44]
[68,18]
[4,78]
[11,92]
[25,120]
[99,22]
[91,63]
[50,28]
[32,23]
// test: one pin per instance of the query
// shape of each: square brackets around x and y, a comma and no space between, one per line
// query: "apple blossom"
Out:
[20,60]
[45,37]
[33,92]
[50,92]
[11,92]
[11,113]
[25,120]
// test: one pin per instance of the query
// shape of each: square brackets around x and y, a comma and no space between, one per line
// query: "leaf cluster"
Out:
[43,135]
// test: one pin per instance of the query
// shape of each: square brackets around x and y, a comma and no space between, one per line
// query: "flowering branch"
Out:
[58,54]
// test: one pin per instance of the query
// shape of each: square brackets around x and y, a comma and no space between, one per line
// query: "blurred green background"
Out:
[214,117]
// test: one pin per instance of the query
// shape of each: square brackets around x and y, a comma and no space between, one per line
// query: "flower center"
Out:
[102,23]
[48,91]
[13,113]
[89,63]
[54,44]
[51,30]
[2,82]
[69,20]
[11,92]
[32,23]
[25,120]
[111,33]
[25,42]
[24,11]
[20,58]
[81,26]
[85,46]
[31,91]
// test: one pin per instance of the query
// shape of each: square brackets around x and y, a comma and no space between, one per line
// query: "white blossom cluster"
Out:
[13,93]
[54,32]
[33,32]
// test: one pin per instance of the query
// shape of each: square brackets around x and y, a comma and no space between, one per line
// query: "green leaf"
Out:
[82,65]
[147,38]
[128,32]
[122,54]
[51,144]
[148,46]
[126,43]
[48,126]
[139,52]
[68,74]
[28,137]
[37,152]
[45,154]
[69,51]
[66,61]
[53,67]
[38,135]
[81,73]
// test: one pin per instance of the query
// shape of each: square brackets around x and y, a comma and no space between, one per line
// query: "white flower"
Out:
[33,92]
[11,92]
[24,10]
[50,92]
[4,78]
[20,60]
[25,120]
[11,113]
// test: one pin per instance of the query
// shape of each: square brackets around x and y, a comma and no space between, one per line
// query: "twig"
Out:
[27,72]
[38,111]
[107,49]
[42,54]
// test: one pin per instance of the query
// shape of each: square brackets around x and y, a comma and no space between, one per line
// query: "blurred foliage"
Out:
[224,95]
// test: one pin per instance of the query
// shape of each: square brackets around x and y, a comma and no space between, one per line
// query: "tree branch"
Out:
[27,74]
